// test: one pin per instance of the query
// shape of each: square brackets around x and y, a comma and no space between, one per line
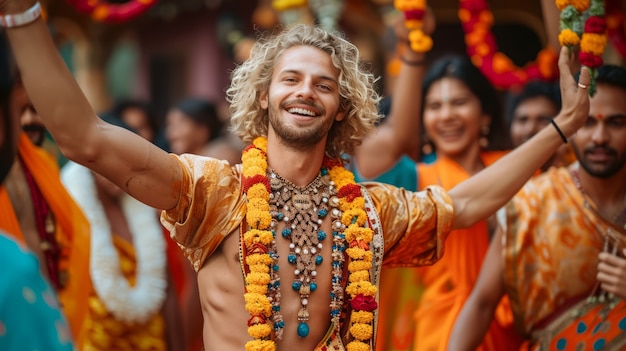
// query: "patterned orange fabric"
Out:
[551,245]
[72,231]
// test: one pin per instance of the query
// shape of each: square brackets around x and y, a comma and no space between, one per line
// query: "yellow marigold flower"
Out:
[259,331]
[258,289]
[253,259]
[406,5]
[420,42]
[357,202]
[359,276]
[256,278]
[355,266]
[413,24]
[364,288]
[341,176]
[357,346]
[568,37]
[358,233]
[259,268]
[261,345]
[258,204]
[252,156]
[254,236]
[361,331]
[561,4]
[593,43]
[257,304]
[362,317]
[261,142]
[253,170]
[355,253]
[258,191]
[259,219]
[356,214]
[580,5]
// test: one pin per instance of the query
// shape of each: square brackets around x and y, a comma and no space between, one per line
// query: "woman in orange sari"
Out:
[460,118]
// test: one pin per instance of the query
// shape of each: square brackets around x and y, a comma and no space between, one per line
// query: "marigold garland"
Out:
[477,21]
[258,259]
[590,35]
[615,25]
[103,11]
[414,11]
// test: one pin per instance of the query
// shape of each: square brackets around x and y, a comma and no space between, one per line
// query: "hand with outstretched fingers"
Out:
[574,95]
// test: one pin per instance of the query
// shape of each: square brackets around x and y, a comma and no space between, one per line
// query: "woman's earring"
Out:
[484,141]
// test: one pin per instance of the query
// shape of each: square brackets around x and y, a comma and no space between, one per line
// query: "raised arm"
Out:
[475,317]
[134,164]
[481,195]
[400,132]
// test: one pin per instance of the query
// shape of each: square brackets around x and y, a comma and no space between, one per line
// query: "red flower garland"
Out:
[103,11]
[483,50]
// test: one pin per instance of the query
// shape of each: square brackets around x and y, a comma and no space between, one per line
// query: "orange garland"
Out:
[103,11]
[477,21]
[414,11]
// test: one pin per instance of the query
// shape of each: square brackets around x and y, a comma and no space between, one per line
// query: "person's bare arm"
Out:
[134,164]
[400,132]
[476,315]
[481,195]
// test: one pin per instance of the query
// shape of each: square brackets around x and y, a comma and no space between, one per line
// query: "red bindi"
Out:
[599,116]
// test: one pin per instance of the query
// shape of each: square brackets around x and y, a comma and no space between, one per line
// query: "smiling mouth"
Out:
[301,112]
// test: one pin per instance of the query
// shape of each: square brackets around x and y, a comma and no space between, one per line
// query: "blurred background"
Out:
[163,50]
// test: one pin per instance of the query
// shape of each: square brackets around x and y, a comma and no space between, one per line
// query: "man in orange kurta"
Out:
[69,229]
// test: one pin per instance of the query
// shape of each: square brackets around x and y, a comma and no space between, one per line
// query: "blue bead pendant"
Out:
[303,329]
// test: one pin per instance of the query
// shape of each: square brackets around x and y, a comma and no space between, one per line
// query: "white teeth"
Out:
[301,111]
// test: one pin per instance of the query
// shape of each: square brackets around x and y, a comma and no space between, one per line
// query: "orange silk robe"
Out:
[413,226]
[551,245]
[434,295]
[72,231]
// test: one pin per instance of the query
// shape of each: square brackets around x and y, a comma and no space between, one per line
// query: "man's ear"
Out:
[263,100]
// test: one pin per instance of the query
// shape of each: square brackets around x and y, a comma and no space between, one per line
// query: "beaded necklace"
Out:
[352,236]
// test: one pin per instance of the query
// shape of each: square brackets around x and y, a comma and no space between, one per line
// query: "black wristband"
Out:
[417,63]
[559,131]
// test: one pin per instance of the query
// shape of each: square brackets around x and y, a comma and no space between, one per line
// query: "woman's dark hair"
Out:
[122,105]
[461,68]
[8,148]
[202,112]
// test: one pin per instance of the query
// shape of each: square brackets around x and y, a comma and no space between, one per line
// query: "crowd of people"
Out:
[442,217]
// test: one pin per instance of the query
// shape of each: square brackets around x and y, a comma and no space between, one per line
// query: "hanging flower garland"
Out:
[591,35]
[615,26]
[477,21]
[350,225]
[414,11]
[103,11]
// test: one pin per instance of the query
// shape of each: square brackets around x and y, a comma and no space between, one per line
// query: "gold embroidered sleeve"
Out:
[415,224]
[209,208]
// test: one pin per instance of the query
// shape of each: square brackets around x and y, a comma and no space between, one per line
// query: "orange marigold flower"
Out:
[568,37]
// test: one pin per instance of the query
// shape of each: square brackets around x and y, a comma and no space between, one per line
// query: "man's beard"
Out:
[606,172]
[301,139]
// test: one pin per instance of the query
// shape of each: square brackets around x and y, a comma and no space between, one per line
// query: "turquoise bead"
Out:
[303,329]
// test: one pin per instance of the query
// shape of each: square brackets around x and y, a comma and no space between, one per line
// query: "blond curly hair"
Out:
[359,100]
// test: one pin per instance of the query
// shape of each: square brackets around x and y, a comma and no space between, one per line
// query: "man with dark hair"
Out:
[560,252]
[287,247]
[530,110]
